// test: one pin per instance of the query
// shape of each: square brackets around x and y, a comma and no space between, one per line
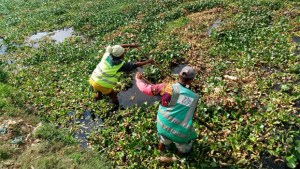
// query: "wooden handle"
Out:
[146,80]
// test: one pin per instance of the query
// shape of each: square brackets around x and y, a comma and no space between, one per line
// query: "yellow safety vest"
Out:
[106,74]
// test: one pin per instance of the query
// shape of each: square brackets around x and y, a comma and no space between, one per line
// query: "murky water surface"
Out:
[135,96]
[177,69]
[296,39]
[61,35]
[58,35]
[87,123]
[268,161]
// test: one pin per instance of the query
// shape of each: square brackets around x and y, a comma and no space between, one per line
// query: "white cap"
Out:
[116,50]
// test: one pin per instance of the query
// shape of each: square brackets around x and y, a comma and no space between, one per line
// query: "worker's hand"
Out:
[138,76]
[150,60]
[134,45]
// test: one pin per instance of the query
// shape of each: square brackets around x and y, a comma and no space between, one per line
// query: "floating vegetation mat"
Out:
[245,53]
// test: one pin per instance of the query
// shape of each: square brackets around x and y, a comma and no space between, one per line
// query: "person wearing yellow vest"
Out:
[107,72]
[175,113]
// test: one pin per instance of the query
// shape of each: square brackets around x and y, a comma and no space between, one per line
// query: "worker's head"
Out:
[117,51]
[187,75]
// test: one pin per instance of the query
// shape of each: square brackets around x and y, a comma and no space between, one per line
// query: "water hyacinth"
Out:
[247,74]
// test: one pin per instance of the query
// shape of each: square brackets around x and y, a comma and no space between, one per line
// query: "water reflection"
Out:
[59,36]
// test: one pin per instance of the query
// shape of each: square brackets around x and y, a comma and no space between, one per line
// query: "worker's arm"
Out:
[139,64]
[143,87]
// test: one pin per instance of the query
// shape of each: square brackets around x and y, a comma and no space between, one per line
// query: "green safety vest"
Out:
[106,74]
[175,121]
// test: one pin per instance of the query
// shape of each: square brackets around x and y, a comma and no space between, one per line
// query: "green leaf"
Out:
[291,159]
[156,152]
[285,87]
[241,161]
[291,165]
[289,140]
[298,149]
[297,142]
[213,164]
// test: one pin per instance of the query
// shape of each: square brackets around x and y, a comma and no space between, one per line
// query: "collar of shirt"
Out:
[186,86]
[114,60]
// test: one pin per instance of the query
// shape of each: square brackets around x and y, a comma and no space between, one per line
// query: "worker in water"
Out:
[175,113]
[108,71]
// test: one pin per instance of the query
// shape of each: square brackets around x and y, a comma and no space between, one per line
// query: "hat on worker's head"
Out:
[187,72]
[116,50]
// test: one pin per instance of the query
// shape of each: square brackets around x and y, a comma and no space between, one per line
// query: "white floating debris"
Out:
[227,77]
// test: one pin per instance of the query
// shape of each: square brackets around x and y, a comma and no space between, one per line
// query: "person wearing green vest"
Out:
[175,113]
[107,72]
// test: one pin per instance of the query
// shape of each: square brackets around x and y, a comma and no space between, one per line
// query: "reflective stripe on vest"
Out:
[187,119]
[100,70]
[106,74]
[174,131]
[99,77]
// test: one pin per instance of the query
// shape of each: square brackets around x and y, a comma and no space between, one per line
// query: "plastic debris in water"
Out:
[230,77]
[4,129]
[17,140]
[165,159]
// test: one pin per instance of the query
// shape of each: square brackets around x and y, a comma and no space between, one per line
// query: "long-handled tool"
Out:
[155,63]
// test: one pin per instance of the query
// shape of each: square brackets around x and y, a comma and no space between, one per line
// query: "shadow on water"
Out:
[135,96]
[87,123]
[216,24]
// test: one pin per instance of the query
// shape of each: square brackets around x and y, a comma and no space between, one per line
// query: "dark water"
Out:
[296,39]
[216,24]
[277,87]
[268,161]
[177,69]
[297,103]
[139,97]
[87,123]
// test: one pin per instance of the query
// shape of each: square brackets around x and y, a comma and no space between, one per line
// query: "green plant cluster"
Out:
[253,115]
